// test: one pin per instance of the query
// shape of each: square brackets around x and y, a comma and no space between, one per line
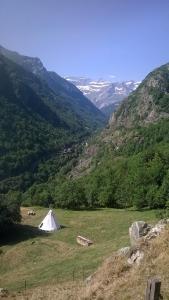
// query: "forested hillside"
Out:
[39,130]
[131,167]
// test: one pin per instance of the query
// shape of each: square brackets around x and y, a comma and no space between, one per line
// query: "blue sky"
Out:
[96,38]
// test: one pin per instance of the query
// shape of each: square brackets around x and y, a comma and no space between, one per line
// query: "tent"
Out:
[49,223]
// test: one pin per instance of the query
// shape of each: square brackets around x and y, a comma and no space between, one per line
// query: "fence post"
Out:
[83,273]
[73,274]
[153,289]
[25,285]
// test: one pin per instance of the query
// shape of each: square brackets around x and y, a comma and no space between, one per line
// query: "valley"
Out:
[97,153]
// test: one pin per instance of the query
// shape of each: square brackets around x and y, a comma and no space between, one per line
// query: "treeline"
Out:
[141,180]
[135,174]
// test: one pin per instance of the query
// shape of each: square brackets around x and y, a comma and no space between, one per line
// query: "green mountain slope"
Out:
[69,95]
[131,167]
[148,104]
[35,125]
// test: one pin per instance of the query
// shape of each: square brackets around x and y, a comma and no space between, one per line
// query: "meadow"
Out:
[40,258]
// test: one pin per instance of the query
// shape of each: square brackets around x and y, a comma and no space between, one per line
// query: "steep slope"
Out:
[106,95]
[118,280]
[91,117]
[35,125]
[148,104]
[130,164]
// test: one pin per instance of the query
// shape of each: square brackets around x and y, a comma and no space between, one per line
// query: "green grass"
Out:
[51,258]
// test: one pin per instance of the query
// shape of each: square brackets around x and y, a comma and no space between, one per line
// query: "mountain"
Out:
[104,94]
[127,165]
[38,126]
[70,96]
[148,104]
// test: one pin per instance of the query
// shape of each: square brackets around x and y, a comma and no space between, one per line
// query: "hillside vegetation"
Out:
[41,127]
[131,166]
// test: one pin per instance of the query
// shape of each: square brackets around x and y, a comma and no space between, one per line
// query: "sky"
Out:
[110,39]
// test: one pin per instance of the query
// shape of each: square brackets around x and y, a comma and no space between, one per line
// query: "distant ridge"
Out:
[106,95]
[68,93]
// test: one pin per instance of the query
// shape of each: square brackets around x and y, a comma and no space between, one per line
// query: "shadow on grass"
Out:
[85,209]
[63,226]
[20,232]
[143,209]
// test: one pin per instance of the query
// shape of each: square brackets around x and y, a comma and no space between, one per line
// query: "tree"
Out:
[9,211]
[71,195]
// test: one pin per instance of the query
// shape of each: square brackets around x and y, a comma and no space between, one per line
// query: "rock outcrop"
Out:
[140,232]
[137,231]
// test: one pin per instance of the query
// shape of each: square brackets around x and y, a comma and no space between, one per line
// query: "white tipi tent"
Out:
[49,223]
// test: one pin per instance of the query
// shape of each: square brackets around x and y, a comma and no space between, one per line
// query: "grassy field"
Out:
[42,258]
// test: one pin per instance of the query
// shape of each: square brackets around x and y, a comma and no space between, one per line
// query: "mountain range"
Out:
[106,95]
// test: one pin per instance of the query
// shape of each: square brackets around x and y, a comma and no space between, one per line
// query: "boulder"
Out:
[136,257]
[138,230]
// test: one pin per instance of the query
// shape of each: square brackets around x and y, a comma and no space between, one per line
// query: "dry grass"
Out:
[66,291]
[116,280]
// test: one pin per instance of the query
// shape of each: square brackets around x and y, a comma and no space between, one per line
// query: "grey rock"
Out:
[138,230]
[155,231]
[136,257]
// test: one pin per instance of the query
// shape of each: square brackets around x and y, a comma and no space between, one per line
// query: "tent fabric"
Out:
[49,223]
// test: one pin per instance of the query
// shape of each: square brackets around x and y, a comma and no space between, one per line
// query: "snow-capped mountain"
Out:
[106,95]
